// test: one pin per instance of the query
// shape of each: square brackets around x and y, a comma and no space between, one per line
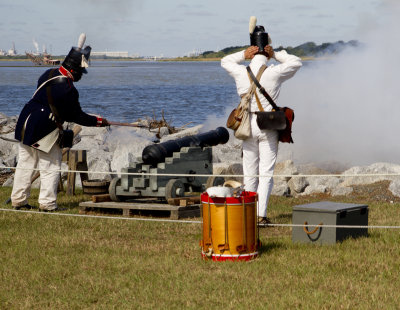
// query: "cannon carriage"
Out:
[157,174]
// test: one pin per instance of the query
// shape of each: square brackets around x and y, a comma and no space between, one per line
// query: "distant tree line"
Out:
[309,49]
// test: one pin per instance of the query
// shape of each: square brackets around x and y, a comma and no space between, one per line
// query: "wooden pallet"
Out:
[184,201]
[144,208]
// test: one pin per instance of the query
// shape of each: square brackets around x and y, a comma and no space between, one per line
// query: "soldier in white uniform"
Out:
[261,148]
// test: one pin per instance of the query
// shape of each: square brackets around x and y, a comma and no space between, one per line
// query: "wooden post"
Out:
[72,164]
[76,160]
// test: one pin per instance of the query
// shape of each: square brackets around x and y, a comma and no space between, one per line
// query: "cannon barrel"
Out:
[156,153]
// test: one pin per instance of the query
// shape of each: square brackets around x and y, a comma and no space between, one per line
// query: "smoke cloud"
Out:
[347,107]
[36,45]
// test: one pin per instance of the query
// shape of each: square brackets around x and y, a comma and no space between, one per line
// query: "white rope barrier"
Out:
[333,226]
[195,222]
[208,175]
[102,216]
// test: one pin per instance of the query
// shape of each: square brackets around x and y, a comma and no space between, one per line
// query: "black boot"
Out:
[26,206]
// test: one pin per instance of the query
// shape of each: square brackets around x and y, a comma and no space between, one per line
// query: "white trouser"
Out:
[259,157]
[28,159]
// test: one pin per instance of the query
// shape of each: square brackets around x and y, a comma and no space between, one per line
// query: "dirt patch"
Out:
[375,192]
[378,191]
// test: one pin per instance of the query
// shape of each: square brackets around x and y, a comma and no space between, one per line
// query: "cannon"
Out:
[189,155]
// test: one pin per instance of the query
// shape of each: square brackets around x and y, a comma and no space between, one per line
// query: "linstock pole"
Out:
[125,124]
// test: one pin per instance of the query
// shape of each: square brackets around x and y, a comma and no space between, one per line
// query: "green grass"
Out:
[58,262]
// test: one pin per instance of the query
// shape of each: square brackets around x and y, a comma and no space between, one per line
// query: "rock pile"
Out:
[109,150]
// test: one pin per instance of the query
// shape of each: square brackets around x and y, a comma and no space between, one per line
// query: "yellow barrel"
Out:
[229,227]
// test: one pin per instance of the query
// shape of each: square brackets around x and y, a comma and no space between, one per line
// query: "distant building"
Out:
[194,53]
[2,53]
[12,51]
[110,54]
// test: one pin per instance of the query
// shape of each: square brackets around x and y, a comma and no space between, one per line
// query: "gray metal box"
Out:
[328,213]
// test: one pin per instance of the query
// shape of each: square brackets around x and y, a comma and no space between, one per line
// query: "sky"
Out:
[177,27]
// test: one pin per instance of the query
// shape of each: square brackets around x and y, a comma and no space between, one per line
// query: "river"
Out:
[186,92]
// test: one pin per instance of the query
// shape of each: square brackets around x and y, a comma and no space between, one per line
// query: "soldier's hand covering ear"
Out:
[250,52]
[270,51]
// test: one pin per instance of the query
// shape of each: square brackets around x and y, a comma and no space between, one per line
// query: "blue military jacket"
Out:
[38,115]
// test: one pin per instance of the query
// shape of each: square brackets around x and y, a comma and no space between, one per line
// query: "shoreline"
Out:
[177,59]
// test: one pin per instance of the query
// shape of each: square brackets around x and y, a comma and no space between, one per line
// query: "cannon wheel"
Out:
[112,190]
[214,181]
[174,188]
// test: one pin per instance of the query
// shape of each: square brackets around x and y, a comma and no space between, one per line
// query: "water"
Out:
[334,111]
[125,91]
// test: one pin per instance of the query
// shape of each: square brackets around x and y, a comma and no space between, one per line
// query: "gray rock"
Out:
[3,121]
[230,152]
[394,187]
[314,189]
[380,169]
[297,185]
[280,188]
[93,131]
[7,124]
[8,148]
[9,181]
[163,132]
[7,128]
[341,191]
[125,155]
[11,160]
[99,161]
[328,182]
[90,142]
[285,168]
[229,169]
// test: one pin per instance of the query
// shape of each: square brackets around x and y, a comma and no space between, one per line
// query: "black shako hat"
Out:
[77,59]
[259,38]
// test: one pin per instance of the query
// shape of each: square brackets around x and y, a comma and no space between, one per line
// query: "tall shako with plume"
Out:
[258,36]
[77,59]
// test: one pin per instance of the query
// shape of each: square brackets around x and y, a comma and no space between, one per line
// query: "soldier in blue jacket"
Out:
[39,128]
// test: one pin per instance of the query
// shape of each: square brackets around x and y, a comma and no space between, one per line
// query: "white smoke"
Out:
[36,45]
[347,107]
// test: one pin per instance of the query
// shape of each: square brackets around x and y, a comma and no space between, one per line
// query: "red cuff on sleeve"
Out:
[99,121]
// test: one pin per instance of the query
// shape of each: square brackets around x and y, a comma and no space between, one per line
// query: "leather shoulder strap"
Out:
[51,78]
[262,89]
[53,109]
[260,72]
